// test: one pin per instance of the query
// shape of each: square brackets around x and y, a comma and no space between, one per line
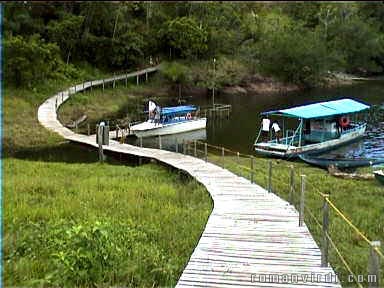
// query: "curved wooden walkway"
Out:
[252,237]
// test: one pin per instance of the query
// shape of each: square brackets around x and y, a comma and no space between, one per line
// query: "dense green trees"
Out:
[295,42]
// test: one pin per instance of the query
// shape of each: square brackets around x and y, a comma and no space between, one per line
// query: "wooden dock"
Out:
[252,237]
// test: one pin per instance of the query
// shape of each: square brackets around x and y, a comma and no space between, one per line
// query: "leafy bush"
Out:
[31,60]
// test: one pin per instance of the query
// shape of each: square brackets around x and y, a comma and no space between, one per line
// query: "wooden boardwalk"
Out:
[252,237]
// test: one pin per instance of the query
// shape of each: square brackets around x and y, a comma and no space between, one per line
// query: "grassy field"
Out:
[70,221]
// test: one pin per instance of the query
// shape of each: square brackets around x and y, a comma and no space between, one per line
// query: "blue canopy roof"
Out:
[322,109]
[177,109]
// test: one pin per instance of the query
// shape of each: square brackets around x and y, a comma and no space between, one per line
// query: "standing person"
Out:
[157,115]
[276,129]
[265,128]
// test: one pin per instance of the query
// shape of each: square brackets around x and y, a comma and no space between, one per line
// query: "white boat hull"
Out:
[286,151]
[149,129]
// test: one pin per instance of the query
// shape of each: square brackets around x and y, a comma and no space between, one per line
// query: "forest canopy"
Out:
[294,42]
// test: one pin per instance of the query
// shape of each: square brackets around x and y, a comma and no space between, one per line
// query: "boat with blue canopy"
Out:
[318,127]
[169,120]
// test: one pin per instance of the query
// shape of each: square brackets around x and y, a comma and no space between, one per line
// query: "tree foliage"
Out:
[296,42]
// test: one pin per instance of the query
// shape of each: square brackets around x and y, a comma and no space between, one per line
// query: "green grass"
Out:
[70,221]
[360,200]
[81,224]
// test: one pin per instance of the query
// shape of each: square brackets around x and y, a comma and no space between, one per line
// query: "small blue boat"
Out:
[321,126]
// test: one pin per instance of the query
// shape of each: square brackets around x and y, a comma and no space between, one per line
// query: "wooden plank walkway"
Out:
[252,237]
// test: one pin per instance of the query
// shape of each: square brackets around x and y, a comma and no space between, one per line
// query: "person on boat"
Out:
[265,128]
[157,115]
[276,129]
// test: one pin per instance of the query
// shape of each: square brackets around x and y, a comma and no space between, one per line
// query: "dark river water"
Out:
[239,132]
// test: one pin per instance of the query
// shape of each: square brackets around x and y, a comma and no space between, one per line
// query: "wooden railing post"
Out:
[291,185]
[222,156]
[374,265]
[206,152]
[270,176]
[252,172]
[100,142]
[324,252]
[302,203]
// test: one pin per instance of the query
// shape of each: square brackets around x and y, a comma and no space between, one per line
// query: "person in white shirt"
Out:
[276,129]
[265,127]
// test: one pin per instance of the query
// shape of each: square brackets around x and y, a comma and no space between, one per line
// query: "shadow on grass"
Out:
[68,152]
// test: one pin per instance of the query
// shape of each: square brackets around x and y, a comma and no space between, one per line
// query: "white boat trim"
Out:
[143,130]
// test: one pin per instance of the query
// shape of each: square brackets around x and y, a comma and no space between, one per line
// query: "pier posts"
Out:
[222,156]
[301,211]
[252,172]
[291,185]
[324,252]
[270,176]
[99,130]
[206,152]
[374,265]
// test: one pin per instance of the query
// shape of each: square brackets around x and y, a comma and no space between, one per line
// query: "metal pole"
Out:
[194,148]
[103,84]
[160,146]
[270,176]
[291,185]
[252,172]
[100,142]
[301,211]
[206,152]
[137,79]
[324,252]
[374,265]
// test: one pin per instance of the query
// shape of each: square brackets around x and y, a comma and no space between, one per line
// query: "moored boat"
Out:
[322,126]
[379,175]
[325,162]
[169,120]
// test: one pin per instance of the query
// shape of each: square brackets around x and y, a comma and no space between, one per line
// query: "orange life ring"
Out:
[189,116]
[344,121]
